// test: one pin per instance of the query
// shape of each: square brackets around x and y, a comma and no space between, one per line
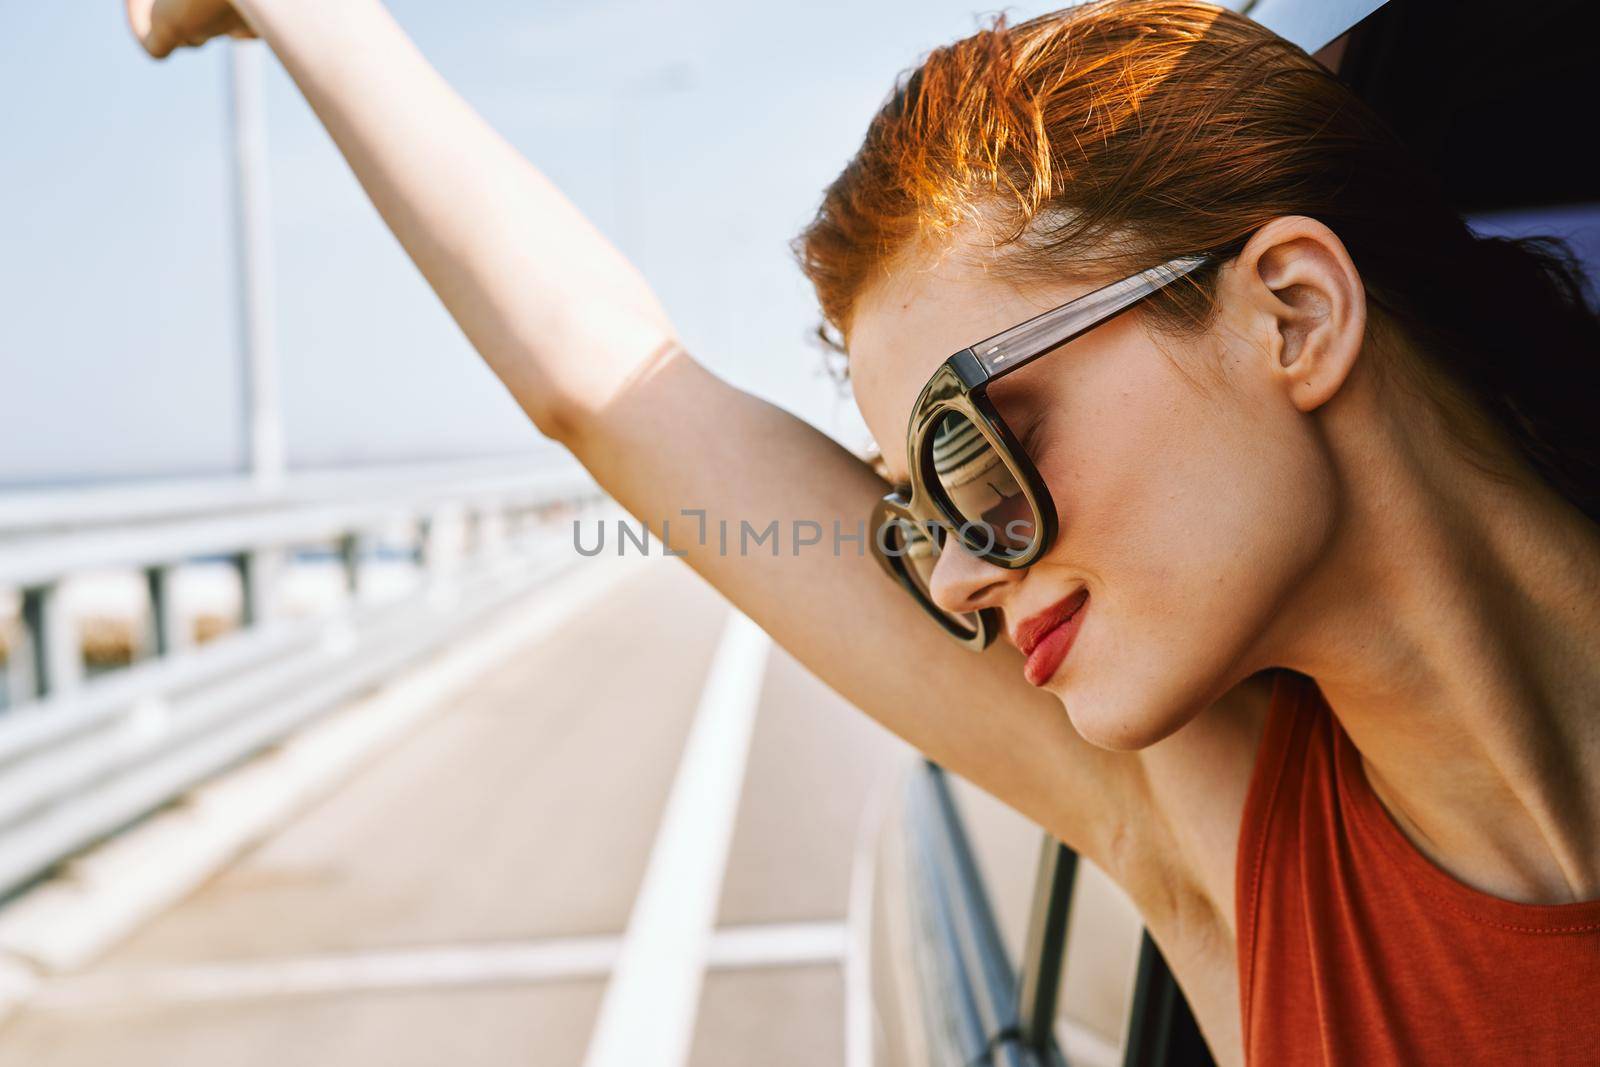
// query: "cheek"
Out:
[1190,508]
[1150,469]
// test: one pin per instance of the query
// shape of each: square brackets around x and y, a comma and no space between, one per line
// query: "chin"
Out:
[1113,729]
[1120,717]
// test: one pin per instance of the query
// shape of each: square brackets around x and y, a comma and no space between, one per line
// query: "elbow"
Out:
[559,418]
[575,373]
[571,411]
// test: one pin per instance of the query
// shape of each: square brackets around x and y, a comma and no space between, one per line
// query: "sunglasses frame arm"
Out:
[1027,341]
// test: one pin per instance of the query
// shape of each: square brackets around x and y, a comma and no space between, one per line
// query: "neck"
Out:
[1453,626]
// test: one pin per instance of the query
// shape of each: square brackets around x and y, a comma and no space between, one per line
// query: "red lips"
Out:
[1032,630]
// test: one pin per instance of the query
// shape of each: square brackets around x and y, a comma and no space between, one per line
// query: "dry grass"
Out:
[210,627]
[116,641]
[108,642]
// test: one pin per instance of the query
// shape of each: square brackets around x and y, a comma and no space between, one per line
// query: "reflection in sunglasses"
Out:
[968,469]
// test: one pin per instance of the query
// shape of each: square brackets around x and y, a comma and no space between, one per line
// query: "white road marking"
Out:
[478,964]
[649,1009]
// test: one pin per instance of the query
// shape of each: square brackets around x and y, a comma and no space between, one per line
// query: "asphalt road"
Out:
[430,910]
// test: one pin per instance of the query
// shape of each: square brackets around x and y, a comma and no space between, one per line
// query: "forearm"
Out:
[557,312]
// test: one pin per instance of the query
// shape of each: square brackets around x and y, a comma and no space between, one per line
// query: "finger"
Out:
[152,31]
[160,41]
[139,17]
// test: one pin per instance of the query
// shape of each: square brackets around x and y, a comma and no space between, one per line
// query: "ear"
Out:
[1294,287]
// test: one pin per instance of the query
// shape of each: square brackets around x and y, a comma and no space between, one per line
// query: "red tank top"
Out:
[1356,950]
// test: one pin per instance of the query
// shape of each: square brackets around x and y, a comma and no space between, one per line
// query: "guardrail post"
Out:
[21,685]
[490,530]
[55,653]
[352,547]
[258,579]
[425,553]
[167,633]
[444,540]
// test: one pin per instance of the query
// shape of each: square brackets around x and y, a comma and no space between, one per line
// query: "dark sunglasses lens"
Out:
[979,488]
[916,548]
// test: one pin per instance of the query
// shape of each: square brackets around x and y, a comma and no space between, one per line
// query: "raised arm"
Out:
[588,352]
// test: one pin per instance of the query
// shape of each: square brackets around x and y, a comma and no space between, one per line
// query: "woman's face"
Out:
[1192,496]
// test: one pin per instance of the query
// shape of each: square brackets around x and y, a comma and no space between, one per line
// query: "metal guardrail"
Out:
[81,758]
[39,512]
[46,538]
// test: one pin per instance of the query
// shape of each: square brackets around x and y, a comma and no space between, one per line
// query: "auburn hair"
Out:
[1104,138]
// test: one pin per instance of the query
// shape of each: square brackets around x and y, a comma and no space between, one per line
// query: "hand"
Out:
[164,25]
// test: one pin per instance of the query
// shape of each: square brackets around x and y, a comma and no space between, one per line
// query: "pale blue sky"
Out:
[698,135]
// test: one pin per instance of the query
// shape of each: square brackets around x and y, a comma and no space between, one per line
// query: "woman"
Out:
[1300,529]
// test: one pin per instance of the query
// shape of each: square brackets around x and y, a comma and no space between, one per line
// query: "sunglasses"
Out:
[969,476]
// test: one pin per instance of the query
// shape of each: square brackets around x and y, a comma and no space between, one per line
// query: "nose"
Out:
[963,581]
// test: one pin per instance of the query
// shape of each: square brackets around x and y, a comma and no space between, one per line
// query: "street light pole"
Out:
[675,77]
[256,325]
